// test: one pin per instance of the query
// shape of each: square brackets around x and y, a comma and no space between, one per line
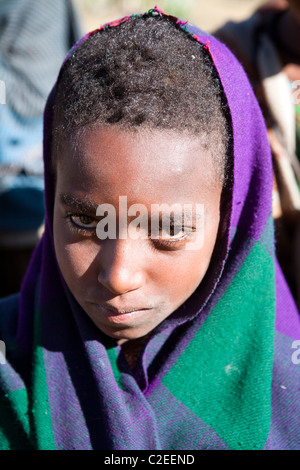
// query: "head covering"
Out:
[219,373]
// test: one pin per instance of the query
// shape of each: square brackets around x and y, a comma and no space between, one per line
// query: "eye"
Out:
[172,237]
[83,221]
[175,233]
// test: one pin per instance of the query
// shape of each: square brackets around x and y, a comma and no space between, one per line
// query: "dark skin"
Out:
[127,287]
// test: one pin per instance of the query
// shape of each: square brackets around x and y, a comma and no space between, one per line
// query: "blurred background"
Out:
[207,15]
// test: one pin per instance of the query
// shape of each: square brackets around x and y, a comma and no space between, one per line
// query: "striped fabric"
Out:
[222,372]
[35,36]
[28,67]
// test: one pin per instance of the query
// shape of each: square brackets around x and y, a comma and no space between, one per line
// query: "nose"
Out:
[120,266]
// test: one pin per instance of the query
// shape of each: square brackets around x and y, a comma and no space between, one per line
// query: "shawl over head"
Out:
[222,372]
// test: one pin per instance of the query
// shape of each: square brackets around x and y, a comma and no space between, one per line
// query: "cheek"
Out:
[190,271]
[181,276]
[71,260]
[74,259]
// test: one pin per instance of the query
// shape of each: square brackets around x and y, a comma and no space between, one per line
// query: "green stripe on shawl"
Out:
[28,408]
[14,404]
[230,387]
[43,435]
[113,358]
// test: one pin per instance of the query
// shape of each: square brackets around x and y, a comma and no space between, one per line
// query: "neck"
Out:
[132,349]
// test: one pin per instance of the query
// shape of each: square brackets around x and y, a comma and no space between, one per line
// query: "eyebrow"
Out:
[88,206]
[82,205]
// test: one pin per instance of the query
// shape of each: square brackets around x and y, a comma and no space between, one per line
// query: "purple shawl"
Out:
[222,372]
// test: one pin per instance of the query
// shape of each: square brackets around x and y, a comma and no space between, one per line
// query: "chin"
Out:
[123,336]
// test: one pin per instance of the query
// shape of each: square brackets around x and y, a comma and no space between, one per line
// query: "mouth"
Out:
[115,315]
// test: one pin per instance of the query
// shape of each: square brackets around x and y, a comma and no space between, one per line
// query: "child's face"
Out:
[128,286]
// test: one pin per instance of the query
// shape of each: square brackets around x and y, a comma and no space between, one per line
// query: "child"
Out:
[166,341]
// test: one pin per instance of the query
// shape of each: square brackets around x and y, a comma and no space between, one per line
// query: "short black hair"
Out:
[146,72]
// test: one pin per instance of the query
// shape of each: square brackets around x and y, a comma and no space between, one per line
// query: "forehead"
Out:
[150,165]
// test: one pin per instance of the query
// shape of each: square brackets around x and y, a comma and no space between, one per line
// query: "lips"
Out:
[123,311]
[123,315]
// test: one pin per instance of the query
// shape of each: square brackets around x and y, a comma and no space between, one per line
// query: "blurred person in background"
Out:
[268,46]
[35,36]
